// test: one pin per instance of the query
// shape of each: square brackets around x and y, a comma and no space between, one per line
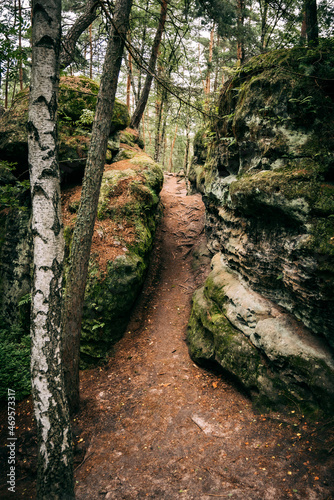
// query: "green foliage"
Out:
[10,188]
[86,118]
[14,361]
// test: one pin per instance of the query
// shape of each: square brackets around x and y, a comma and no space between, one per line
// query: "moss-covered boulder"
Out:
[128,213]
[268,181]
[77,102]
[276,360]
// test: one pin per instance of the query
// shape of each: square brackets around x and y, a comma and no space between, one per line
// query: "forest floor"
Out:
[155,425]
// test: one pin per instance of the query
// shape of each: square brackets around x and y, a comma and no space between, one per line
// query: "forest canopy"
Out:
[201,43]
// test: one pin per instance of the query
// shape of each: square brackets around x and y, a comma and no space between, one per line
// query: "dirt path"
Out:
[154,425]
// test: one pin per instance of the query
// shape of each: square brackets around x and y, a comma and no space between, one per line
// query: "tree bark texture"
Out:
[240,32]
[311,15]
[140,108]
[81,24]
[264,26]
[208,74]
[55,461]
[83,231]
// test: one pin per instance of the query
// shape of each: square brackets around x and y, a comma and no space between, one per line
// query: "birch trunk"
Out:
[55,463]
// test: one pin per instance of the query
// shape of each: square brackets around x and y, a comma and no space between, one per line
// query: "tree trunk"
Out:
[81,24]
[140,108]
[90,52]
[186,153]
[55,461]
[311,16]
[159,105]
[208,74]
[20,46]
[303,34]
[7,82]
[128,81]
[264,17]
[240,32]
[83,231]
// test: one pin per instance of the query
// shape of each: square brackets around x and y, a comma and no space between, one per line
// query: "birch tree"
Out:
[55,469]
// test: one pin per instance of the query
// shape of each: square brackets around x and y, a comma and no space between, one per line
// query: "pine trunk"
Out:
[20,46]
[208,75]
[90,52]
[311,15]
[55,461]
[140,108]
[83,231]
[240,32]
[264,24]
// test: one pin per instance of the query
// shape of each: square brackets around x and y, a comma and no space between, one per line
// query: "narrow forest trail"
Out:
[155,425]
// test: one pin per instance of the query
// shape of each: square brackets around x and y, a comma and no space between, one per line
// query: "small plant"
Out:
[14,361]
[86,119]
[10,188]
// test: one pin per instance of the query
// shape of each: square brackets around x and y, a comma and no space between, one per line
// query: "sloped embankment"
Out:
[128,213]
[267,183]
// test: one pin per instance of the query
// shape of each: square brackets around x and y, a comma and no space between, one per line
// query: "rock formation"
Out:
[77,101]
[127,215]
[267,179]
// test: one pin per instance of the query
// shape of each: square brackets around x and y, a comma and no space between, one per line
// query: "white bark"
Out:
[55,475]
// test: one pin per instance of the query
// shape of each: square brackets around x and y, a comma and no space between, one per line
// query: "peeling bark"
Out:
[55,461]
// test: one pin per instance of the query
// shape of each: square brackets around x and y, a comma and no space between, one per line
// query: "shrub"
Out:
[14,361]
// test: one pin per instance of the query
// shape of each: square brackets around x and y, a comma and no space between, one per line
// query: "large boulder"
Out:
[268,183]
[274,357]
[128,213]
[77,102]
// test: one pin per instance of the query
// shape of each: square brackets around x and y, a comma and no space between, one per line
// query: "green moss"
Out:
[212,338]
[77,100]
[128,138]
[129,197]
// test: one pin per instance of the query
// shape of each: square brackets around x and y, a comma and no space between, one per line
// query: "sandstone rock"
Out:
[266,177]
[77,102]
[274,357]
[268,182]
[129,199]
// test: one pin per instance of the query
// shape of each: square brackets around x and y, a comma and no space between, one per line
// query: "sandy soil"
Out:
[155,425]
[169,429]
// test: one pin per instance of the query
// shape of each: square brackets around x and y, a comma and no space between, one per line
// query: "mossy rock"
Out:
[275,361]
[108,300]
[77,98]
[128,199]
[268,180]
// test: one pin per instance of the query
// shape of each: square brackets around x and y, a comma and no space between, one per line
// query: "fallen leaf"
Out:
[214,385]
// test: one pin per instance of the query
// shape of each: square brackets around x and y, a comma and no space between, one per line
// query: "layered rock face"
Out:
[268,187]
